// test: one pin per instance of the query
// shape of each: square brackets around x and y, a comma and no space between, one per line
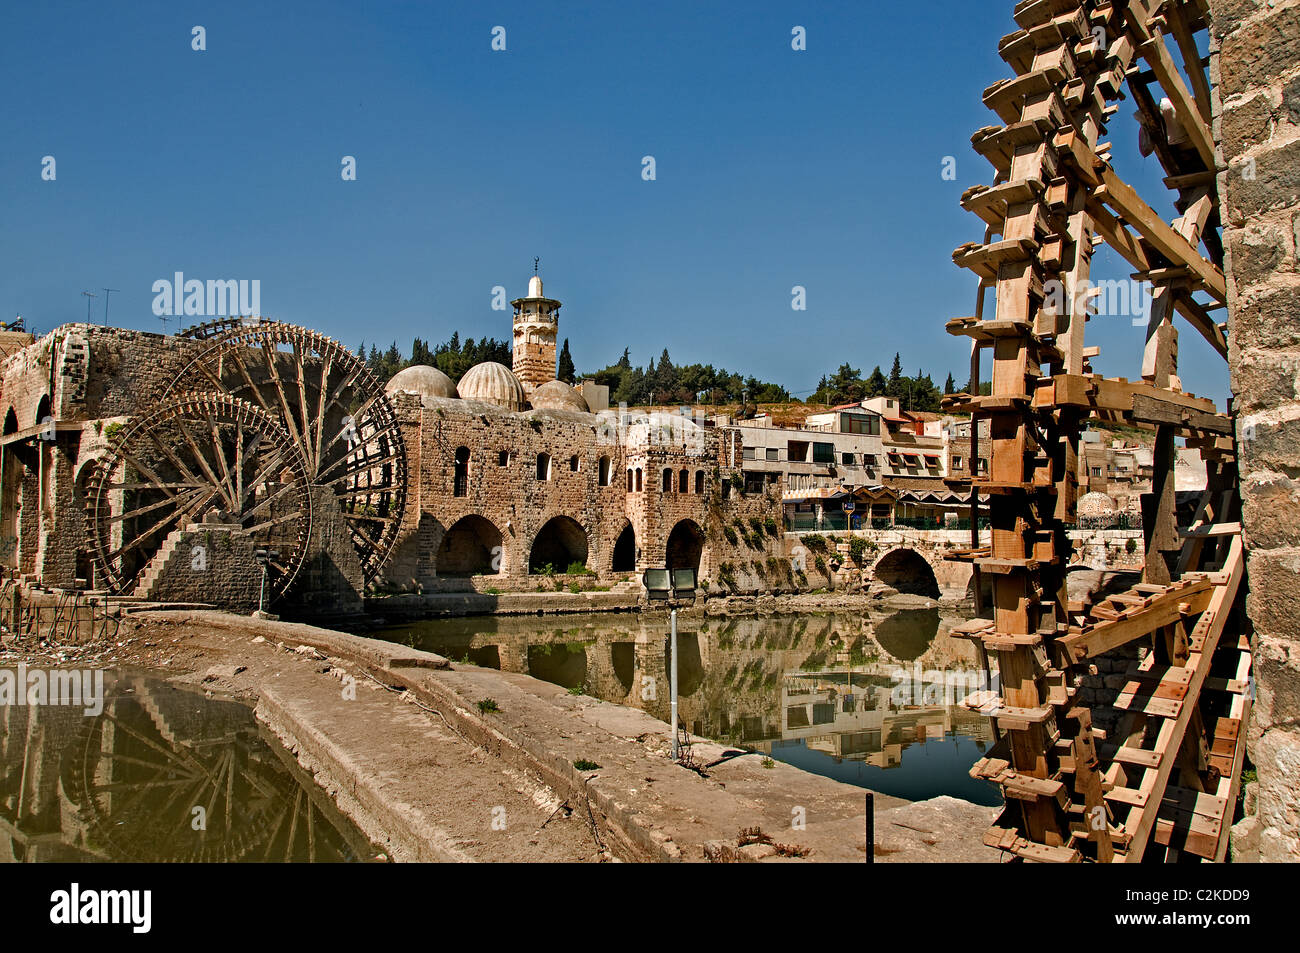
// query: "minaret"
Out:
[536,322]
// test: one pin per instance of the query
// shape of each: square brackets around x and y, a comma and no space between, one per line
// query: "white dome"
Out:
[557,395]
[423,380]
[535,286]
[492,383]
[1094,504]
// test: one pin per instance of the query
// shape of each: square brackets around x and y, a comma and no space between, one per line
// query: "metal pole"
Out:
[261,593]
[673,682]
[871,828]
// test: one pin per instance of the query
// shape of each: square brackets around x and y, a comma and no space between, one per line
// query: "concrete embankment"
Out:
[431,776]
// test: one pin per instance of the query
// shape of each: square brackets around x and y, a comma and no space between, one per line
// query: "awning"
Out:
[821,493]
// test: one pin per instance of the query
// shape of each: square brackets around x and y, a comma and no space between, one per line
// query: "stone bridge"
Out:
[912,561]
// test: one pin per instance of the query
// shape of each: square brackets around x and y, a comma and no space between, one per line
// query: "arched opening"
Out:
[638,479]
[906,635]
[558,663]
[684,481]
[699,482]
[559,544]
[42,410]
[603,472]
[685,546]
[629,480]
[11,422]
[573,463]
[471,546]
[668,481]
[460,479]
[625,551]
[907,572]
[543,466]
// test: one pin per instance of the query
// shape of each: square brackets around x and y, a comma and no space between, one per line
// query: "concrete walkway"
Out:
[428,773]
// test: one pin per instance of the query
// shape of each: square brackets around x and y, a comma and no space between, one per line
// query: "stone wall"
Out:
[1257,79]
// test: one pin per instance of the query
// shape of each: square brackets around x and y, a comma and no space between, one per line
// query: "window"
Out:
[699,481]
[460,479]
[869,459]
[629,480]
[860,424]
[823,453]
[603,471]
[684,482]
[847,459]
[543,466]
[1095,471]
[956,462]
[748,453]
[503,458]
[668,481]
[983,465]
[773,454]
[638,479]
[573,463]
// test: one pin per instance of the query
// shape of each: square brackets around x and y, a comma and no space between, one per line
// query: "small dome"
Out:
[535,286]
[423,380]
[1095,504]
[492,383]
[557,395]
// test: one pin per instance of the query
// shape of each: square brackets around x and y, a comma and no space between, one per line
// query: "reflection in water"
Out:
[867,699]
[125,785]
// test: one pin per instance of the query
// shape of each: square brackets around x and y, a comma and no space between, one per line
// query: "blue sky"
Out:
[775,168]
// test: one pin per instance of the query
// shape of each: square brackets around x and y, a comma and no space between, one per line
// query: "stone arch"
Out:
[559,542]
[908,572]
[470,546]
[42,409]
[11,422]
[685,546]
[684,481]
[624,556]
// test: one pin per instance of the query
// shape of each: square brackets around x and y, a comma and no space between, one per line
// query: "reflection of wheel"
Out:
[194,453]
[138,789]
[329,404]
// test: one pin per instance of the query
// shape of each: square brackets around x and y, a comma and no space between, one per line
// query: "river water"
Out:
[154,772]
[865,698]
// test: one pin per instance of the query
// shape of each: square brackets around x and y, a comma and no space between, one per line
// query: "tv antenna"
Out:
[89,295]
[107,292]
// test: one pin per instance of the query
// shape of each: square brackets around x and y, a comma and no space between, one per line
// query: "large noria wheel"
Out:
[331,406]
[192,454]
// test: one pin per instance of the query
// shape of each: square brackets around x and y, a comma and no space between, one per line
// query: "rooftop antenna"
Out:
[536,262]
[107,292]
[89,295]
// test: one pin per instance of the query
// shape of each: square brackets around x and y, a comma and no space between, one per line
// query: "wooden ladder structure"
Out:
[1164,783]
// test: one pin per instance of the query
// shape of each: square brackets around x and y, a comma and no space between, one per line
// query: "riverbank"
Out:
[400,740]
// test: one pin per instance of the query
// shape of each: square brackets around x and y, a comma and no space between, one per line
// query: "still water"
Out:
[865,698]
[161,773]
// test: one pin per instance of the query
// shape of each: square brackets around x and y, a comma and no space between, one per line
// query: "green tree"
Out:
[566,372]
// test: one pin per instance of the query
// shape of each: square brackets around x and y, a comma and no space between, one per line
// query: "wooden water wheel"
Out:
[1148,764]
[193,454]
[335,411]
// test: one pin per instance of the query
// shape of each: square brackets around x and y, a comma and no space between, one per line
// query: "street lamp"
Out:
[264,557]
[672,586]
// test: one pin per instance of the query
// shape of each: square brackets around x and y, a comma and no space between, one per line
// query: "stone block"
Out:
[1272,183]
[1268,316]
[1277,679]
[1246,121]
[1271,509]
[1273,603]
[1260,50]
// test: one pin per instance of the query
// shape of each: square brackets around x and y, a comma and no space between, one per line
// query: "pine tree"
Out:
[949,386]
[566,370]
[894,386]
